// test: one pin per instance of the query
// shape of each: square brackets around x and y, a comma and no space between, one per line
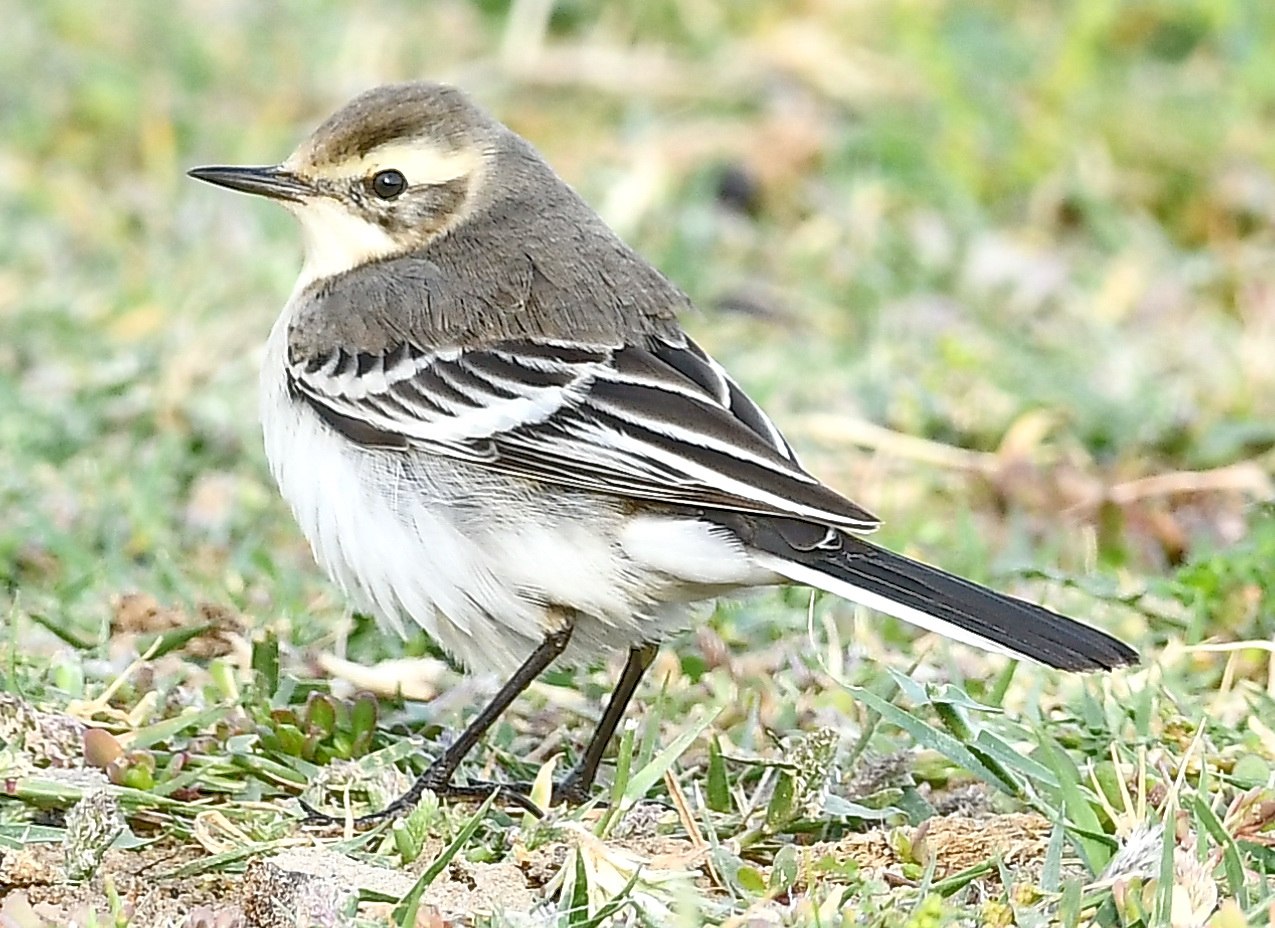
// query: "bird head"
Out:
[392,170]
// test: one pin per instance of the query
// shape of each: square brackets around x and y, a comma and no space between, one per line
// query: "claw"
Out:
[314,817]
[517,793]
[566,791]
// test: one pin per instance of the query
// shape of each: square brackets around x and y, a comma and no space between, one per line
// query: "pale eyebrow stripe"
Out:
[420,164]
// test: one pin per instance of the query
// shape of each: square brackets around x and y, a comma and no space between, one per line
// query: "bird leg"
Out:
[437,777]
[576,785]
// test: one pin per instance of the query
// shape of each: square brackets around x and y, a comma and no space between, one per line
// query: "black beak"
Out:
[273,182]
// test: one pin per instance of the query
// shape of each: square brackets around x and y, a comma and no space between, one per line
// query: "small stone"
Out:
[276,897]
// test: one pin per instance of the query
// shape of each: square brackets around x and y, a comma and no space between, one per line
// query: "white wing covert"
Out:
[661,422]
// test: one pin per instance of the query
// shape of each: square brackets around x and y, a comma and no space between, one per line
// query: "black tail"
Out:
[937,601]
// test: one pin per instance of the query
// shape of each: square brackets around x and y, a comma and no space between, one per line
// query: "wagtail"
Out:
[485,416]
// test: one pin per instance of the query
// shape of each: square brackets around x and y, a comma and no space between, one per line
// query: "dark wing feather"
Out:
[661,422]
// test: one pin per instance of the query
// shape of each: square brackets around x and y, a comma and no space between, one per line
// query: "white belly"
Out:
[410,540]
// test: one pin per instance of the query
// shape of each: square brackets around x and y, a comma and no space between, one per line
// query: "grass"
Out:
[1037,237]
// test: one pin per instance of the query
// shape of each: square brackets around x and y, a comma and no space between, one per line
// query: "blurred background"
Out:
[1002,271]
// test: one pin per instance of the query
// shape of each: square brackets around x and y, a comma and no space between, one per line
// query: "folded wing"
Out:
[660,422]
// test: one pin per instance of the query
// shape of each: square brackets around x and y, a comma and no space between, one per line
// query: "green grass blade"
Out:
[649,775]
[929,737]
[1076,808]
[1232,863]
[404,914]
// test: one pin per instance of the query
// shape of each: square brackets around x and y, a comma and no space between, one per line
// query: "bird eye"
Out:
[388,184]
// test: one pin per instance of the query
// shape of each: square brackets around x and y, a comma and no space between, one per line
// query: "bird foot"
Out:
[570,790]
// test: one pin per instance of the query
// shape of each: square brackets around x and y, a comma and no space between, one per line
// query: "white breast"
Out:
[394,554]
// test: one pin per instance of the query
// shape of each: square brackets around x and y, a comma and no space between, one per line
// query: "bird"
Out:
[485,415]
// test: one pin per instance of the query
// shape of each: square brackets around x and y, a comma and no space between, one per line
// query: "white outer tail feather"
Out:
[808,576]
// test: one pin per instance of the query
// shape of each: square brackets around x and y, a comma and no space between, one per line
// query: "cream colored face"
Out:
[336,239]
[347,224]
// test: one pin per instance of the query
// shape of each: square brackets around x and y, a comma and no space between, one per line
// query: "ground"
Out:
[1002,272]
